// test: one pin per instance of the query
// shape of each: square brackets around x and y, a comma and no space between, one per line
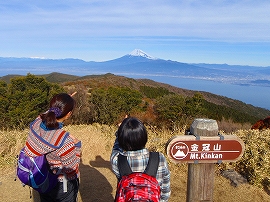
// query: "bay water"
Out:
[258,96]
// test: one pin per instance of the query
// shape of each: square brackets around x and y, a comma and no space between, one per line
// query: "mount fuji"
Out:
[139,64]
[140,53]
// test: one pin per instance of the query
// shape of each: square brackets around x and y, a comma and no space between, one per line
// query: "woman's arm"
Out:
[114,156]
[70,155]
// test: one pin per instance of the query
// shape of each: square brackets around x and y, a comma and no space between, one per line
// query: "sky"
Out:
[235,32]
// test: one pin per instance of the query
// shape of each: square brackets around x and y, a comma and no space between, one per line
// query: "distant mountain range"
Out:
[138,63]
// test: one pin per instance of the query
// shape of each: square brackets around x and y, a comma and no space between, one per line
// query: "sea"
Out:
[258,96]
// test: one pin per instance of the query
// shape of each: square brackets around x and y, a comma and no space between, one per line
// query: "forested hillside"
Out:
[103,100]
[107,98]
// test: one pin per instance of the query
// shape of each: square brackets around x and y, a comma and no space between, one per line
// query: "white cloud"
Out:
[227,20]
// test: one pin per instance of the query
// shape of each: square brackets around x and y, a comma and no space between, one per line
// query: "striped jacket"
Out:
[138,161]
[63,154]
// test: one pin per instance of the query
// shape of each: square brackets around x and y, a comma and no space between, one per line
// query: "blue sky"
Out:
[192,31]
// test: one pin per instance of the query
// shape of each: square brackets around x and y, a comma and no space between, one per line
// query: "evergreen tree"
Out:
[109,104]
[27,97]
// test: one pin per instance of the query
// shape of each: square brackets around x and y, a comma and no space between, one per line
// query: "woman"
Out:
[64,161]
[130,141]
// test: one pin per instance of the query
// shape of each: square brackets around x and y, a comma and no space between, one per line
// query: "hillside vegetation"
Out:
[107,98]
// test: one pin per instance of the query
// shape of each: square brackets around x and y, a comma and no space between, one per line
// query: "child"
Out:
[131,138]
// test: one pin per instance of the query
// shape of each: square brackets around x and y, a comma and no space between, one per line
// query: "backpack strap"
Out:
[151,168]
[123,166]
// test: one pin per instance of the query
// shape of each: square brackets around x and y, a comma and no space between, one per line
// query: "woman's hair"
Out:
[60,105]
[132,134]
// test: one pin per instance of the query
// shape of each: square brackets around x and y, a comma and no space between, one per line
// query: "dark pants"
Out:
[57,194]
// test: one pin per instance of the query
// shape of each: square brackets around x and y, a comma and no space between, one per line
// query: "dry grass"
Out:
[255,163]
[98,183]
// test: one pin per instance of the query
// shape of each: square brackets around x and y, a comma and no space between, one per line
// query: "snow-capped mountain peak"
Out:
[140,53]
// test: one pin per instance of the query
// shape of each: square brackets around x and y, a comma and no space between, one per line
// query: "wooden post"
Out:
[200,184]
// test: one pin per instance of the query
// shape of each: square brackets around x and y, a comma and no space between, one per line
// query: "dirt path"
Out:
[97,183]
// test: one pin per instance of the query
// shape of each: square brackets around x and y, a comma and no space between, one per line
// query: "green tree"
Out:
[152,92]
[170,108]
[3,103]
[109,104]
[194,105]
[27,97]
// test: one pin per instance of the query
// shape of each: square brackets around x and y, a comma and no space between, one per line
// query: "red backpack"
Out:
[135,186]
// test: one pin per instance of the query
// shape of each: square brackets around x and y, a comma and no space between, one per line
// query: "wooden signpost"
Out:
[218,149]
[201,148]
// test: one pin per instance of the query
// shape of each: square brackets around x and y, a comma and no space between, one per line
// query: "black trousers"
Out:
[58,195]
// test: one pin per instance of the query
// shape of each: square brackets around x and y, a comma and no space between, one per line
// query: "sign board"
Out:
[189,149]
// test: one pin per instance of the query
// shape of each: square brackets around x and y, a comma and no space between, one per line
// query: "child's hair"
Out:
[132,134]
[60,105]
